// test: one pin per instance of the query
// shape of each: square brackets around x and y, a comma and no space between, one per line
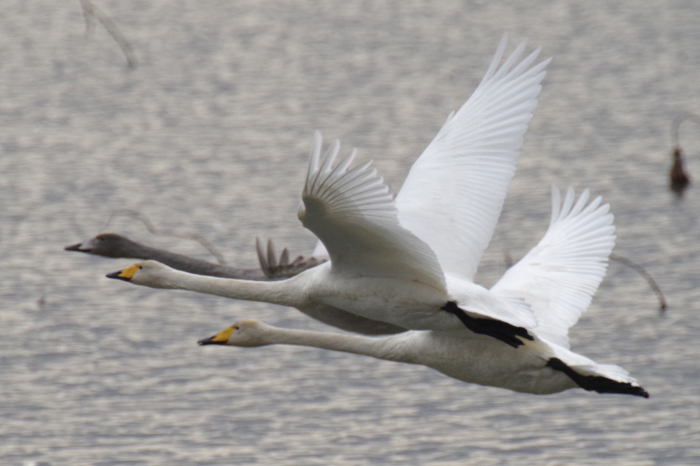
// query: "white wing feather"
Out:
[560,275]
[454,193]
[353,214]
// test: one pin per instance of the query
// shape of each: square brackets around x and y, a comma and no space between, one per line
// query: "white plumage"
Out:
[410,261]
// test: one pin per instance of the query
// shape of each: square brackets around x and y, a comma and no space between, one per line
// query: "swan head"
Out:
[106,245]
[246,333]
[147,273]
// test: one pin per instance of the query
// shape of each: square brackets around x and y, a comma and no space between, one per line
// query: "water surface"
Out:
[210,134]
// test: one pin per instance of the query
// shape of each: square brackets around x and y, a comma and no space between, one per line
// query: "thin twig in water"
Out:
[91,11]
[676,124]
[650,280]
[153,230]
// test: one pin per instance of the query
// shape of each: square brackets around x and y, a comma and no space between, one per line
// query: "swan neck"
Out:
[389,348]
[275,292]
[192,265]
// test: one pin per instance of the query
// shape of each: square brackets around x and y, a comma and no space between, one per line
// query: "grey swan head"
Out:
[111,245]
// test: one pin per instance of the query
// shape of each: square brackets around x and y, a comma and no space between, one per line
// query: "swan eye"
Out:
[140,267]
[235,327]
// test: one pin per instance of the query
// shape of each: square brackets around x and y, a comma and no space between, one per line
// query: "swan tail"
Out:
[586,373]
[586,377]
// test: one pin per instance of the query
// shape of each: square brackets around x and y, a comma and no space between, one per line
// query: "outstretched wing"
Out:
[353,214]
[454,192]
[560,275]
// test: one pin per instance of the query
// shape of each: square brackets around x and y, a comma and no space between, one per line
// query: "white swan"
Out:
[535,368]
[410,263]
[116,246]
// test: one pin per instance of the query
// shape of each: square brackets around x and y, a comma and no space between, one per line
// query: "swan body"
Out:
[534,368]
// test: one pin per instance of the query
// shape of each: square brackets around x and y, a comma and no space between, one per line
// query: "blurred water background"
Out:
[210,133]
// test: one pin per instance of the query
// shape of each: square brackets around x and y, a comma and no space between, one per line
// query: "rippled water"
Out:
[210,135]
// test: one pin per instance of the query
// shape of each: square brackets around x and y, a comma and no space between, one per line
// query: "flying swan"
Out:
[271,268]
[410,262]
[558,277]
[117,246]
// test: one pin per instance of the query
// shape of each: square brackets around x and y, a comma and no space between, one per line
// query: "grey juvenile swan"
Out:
[116,246]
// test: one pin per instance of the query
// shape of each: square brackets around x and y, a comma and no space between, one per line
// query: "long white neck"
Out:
[277,292]
[392,348]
